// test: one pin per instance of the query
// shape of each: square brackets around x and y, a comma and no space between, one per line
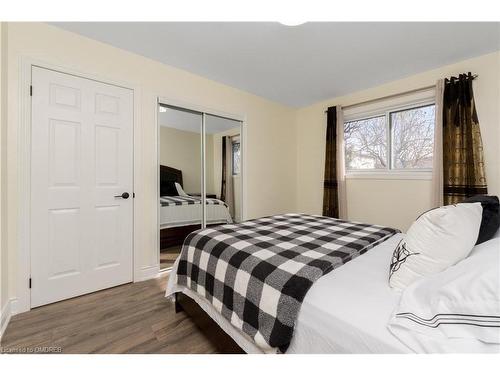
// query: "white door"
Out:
[81,163]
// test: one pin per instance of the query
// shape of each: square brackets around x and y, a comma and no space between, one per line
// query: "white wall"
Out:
[270,138]
[394,202]
[4,295]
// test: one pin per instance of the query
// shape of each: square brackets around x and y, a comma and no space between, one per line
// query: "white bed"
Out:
[349,309]
[182,215]
[172,216]
[350,320]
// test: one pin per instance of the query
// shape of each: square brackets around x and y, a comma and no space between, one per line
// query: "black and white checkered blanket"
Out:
[182,201]
[257,273]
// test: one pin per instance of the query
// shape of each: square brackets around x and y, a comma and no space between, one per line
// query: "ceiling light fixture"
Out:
[292,23]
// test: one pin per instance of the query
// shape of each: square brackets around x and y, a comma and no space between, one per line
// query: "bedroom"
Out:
[217,142]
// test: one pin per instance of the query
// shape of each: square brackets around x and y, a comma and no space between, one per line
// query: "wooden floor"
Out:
[168,256]
[132,318]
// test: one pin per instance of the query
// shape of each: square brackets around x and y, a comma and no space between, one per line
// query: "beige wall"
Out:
[394,202]
[209,164]
[4,295]
[270,133]
[182,150]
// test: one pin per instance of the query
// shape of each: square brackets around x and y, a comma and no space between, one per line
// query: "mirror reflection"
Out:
[181,178]
[223,165]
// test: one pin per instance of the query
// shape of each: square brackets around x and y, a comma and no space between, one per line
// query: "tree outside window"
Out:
[398,140]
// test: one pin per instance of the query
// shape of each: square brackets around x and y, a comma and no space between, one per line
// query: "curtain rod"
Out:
[392,96]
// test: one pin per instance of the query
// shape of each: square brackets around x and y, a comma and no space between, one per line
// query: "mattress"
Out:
[345,311]
[176,216]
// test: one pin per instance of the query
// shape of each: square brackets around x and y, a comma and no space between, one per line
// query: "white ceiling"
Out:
[191,121]
[303,64]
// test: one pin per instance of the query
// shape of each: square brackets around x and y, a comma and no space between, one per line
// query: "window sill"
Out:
[389,175]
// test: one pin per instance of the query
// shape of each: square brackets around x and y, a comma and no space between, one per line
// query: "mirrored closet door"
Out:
[180,178]
[223,167]
[200,175]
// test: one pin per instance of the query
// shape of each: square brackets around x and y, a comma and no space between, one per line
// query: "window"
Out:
[412,138]
[236,157]
[399,140]
[366,144]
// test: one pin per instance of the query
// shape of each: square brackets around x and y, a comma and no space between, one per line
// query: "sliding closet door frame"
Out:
[204,111]
[242,138]
[203,172]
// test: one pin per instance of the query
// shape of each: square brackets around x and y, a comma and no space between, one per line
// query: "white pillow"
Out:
[180,191]
[436,240]
[457,310]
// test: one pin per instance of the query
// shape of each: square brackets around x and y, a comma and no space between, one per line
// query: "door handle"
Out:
[123,195]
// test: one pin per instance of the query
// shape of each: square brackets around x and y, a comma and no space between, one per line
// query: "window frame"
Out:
[384,109]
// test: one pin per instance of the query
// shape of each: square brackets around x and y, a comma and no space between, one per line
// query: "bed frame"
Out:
[169,174]
[173,236]
[215,334]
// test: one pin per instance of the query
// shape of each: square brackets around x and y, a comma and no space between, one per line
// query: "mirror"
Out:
[180,179]
[223,168]
[185,174]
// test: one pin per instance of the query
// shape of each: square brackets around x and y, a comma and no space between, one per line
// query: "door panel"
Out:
[64,244]
[107,236]
[106,104]
[107,163]
[64,149]
[64,96]
[81,158]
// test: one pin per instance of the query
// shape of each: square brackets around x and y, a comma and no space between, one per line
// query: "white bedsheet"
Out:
[346,311]
[189,214]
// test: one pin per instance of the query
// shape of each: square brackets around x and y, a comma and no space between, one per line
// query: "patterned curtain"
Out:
[330,185]
[224,171]
[463,162]
[229,192]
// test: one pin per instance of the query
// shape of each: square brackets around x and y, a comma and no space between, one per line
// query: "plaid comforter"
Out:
[182,201]
[257,273]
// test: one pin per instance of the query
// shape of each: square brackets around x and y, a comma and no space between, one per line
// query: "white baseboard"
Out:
[146,273]
[5,314]
[14,306]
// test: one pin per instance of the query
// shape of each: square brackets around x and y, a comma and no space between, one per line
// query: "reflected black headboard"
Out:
[167,176]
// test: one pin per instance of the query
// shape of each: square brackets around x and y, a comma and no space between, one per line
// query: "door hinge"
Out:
[30,282]
[31,90]
[133,195]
